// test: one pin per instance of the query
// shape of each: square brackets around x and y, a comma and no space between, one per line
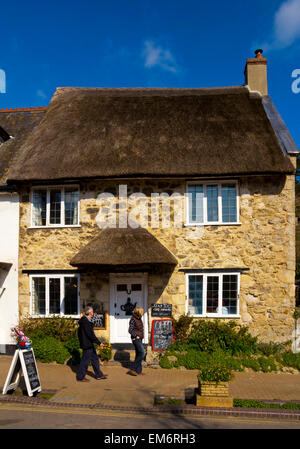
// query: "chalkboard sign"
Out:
[99,320]
[162,334]
[161,310]
[23,360]
[30,369]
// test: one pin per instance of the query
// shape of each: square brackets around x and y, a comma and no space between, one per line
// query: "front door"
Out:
[126,293]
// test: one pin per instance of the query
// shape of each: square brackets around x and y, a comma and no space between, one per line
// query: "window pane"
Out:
[39,200]
[212,203]
[195,198]
[212,294]
[230,294]
[195,295]
[229,203]
[54,295]
[38,296]
[71,206]
[71,295]
[55,206]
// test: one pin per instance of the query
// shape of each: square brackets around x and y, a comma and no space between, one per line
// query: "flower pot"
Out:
[213,389]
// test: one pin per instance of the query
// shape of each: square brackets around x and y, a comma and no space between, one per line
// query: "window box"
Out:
[55,206]
[56,294]
[212,203]
[213,295]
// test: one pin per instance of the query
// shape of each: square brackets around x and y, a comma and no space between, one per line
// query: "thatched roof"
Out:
[103,133]
[15,127]
[128,246]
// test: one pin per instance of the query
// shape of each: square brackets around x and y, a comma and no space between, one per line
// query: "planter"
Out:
[213,394]
[209,389]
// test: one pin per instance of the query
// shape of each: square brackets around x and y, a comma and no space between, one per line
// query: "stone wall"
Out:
[263,242]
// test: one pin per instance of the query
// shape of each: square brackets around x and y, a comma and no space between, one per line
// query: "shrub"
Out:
[267,364]
[288,358]
[182,328]
[216,372]
[61,328]
[270,348]
[73,347]
[49,349]
[165,363]
[213,335]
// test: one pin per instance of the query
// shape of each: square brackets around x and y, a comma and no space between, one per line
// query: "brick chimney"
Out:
[256,73]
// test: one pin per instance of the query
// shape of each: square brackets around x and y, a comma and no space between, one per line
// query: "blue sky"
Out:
[150,43]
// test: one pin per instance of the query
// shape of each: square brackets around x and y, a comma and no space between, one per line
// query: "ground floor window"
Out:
[213,294]
[54,295]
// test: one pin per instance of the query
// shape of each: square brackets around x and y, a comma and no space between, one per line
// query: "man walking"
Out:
[87,338]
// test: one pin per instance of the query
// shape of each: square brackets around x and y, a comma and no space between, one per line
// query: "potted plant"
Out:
[104,352]
[213,380]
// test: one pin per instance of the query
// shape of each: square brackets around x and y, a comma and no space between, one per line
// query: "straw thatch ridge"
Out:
[123,246]
[94,132]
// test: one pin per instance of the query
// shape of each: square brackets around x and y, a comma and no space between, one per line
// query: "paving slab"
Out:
[122,389]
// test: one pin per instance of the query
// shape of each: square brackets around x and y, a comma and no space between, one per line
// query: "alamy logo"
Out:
[296,83]
[2,82]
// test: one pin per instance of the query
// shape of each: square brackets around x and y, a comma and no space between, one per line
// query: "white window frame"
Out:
[47,298]
[62,208]
[205,222]
[220,276]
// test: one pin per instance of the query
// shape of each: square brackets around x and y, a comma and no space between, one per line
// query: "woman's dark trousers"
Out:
[139,355]
[89,355]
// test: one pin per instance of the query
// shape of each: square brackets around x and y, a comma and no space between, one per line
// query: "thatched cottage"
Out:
[154,195]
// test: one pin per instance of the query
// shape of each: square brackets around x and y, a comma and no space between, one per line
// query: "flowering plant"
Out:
[104,351]
[215,373]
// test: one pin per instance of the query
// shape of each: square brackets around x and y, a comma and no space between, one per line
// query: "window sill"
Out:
[215,315]
[54,226]
[55,316]
[235,223]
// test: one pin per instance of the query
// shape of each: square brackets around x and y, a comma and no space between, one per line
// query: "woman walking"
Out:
[136,330]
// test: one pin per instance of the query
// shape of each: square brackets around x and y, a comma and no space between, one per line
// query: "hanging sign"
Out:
[162,334]
[23,360]
[161,310]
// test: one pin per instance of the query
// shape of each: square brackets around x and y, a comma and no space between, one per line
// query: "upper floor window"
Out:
[214,295]
[212,203]
[55,206]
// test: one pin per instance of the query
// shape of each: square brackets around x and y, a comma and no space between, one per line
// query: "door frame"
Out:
[134,278]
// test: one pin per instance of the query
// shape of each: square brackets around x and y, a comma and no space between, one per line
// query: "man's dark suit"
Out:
[87,338]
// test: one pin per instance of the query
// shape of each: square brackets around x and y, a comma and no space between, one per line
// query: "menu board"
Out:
[23,360]
[162,334]
[161,310]
[30,369]
[99,320]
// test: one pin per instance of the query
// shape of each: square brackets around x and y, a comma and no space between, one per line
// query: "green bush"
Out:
[55,326]
[49,349]
[260,404]
[271,348]
[215,372]
[290,359]
[73,348]
[267,365]
[182,328]
[213,335]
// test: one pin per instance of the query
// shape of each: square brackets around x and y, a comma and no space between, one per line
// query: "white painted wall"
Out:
[9,238]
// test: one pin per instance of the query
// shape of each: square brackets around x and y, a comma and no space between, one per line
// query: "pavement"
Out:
[122,391]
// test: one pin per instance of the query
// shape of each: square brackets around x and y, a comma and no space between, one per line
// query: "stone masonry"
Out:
[263,243]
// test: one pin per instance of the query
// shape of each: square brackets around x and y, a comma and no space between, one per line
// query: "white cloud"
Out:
[287,22]
[41,94]
[156,56]
[286,26]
